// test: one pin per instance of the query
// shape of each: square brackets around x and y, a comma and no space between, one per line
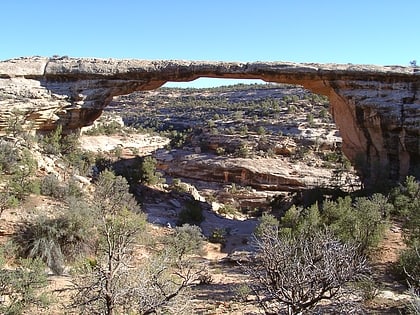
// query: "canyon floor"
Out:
[291,144]
[220,296]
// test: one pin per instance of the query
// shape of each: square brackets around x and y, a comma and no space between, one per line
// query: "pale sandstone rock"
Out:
[376,108]
[263,174]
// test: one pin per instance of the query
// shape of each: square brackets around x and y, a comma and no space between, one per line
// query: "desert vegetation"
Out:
[294,274]
[196,118]
[130,237]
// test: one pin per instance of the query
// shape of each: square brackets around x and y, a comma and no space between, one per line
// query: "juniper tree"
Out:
[116,281]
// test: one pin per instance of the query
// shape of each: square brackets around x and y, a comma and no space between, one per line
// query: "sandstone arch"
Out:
[377,109]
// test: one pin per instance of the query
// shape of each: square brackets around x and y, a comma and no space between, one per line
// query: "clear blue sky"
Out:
[343,31]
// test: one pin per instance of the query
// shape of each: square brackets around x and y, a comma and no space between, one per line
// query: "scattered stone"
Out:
[239,256]
[390,295]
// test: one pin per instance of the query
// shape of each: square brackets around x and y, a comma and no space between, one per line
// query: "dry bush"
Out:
[292,274]
[113,282]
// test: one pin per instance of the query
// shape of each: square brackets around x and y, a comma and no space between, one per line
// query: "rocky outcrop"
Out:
[263,174]
[377,109]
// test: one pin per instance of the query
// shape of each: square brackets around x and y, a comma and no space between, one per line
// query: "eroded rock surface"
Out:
[376,108]
[261,174]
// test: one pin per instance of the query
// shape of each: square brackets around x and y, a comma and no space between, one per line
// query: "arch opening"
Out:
[269,137]
[204,82]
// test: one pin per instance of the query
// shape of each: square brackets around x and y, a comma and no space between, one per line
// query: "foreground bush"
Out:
[20,287]
[114,282]
[362,222]
[21,181]
[9,155]
[57,143]
[148,173]
[406,199]
[293,274]
[57,240]
[408,266]
[192,213]
[52,186]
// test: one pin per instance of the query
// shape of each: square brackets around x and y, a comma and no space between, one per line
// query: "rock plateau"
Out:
[376,108]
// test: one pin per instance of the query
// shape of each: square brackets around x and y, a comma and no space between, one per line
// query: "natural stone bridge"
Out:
[376,108]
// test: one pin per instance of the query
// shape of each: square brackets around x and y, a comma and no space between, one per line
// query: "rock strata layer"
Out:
[376,108]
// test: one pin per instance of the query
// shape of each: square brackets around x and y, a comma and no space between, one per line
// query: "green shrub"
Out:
[7,200]
[300,220]
[310,120]
[192,213]
[242,151]
[261,130]
[51,143]
[178,138]
[148,174]
[81,161]
[220,151]
[112,194]
[310,219]
[408,265]
[291,109]
[242,292]
[118,151]
[55,240]
[102,162]
[56,143]
[52,186]
[406,200]
[20,287]
[301,152]
[179,186]
[21,182]
[69,144]
[227,209]
[362,222]
[368,288]
[34,186]
[107,128]
[186,240]
[15,123]
[73,189]
[324,114]
[266,222]
[8,157]
[218,235]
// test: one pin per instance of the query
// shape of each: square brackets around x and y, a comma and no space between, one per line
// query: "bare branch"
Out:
[298,272]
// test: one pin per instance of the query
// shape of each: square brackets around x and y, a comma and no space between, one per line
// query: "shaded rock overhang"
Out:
[376,108]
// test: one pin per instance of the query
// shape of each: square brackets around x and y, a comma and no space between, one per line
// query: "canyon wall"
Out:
[376,108]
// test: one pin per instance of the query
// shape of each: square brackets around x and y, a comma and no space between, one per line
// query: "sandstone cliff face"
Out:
[262,174]
[377,109]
